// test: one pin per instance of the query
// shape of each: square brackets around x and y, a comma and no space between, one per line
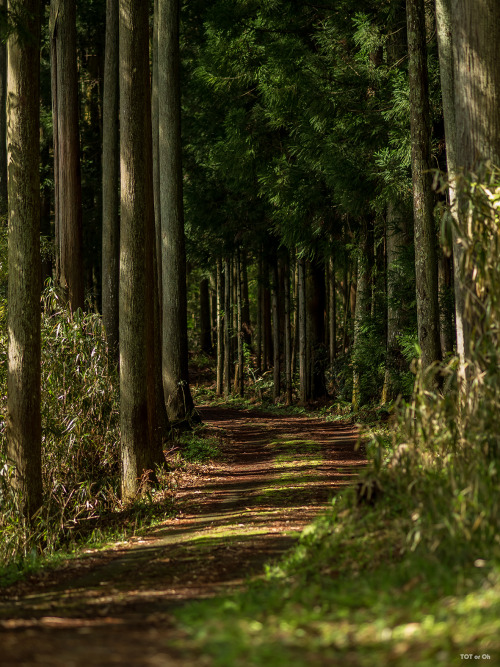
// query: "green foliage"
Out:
[80,431]
[198,448]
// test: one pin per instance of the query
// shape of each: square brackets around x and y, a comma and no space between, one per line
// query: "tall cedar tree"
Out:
[469,51]
[423,198]
[111,179]
[141,444]
[23,383]
[173,254]
[67,178]
[3,119]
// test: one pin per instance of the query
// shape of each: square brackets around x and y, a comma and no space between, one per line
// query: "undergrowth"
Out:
[80,445]
[405,568]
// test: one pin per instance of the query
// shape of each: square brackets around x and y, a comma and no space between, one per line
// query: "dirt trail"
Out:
[116,607]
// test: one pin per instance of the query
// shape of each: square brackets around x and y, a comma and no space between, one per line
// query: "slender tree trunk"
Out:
[227,326]
[260,309]
[156,157]
[220,328]
[245,303]
[395,243]
[295,306]
[423,199]
[213,310]
[276,331]
[266,319]
[302,331]
[205,324]
[240,380]
[362,309]
[111,180]
[316,301]
[175,351]
[3,122]
[23,374]
[332,311]
[445,306]
[288,333]
[445,45]
[141,449]
[67,153]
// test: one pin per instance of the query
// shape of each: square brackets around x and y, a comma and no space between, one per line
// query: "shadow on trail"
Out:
[279,473]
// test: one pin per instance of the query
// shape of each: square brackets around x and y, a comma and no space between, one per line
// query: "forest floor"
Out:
[118,606]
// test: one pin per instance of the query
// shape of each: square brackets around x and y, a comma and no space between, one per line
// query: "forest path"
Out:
[116,607]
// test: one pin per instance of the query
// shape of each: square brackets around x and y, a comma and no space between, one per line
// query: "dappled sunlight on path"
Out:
[115,607]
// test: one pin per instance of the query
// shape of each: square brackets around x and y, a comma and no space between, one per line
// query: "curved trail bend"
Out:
[116,607]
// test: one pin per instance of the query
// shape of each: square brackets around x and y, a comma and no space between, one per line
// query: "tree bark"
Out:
[111,181]
[227,326]
[205,324]
[469,53]
[240,379]
[476,67]
[302,331]
[175,351]
[423,198]
[220,328]
[288,333]
[260,309]
[362,307]
[276,331]
[3,122]
[316,302]
[267,351]
[395,242]
[141,448]
[68,209]
[156,157]
[245,303]
[332,311]
[23,375]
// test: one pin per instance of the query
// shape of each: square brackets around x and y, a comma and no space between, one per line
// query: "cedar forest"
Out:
[220,212]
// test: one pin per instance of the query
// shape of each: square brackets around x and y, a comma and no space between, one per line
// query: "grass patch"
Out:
[351,593]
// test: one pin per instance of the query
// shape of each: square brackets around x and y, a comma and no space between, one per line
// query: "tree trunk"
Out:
[362,310]
[423,199]
[446,68]
[111,180]
[445,304]
[295,307]
[213,310]
[227,327]
[476,67]
[68,209]
[332,311]
[260,310]
[23,375]
[175,351]
[316,302]
[240,380]
[395,243]
[245,303]
[276,331]
[288,333]
[205,324]
[302,332]
[141,449]
[266,318]
[220,328]
[469,60]
[156,157]
[3,122]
